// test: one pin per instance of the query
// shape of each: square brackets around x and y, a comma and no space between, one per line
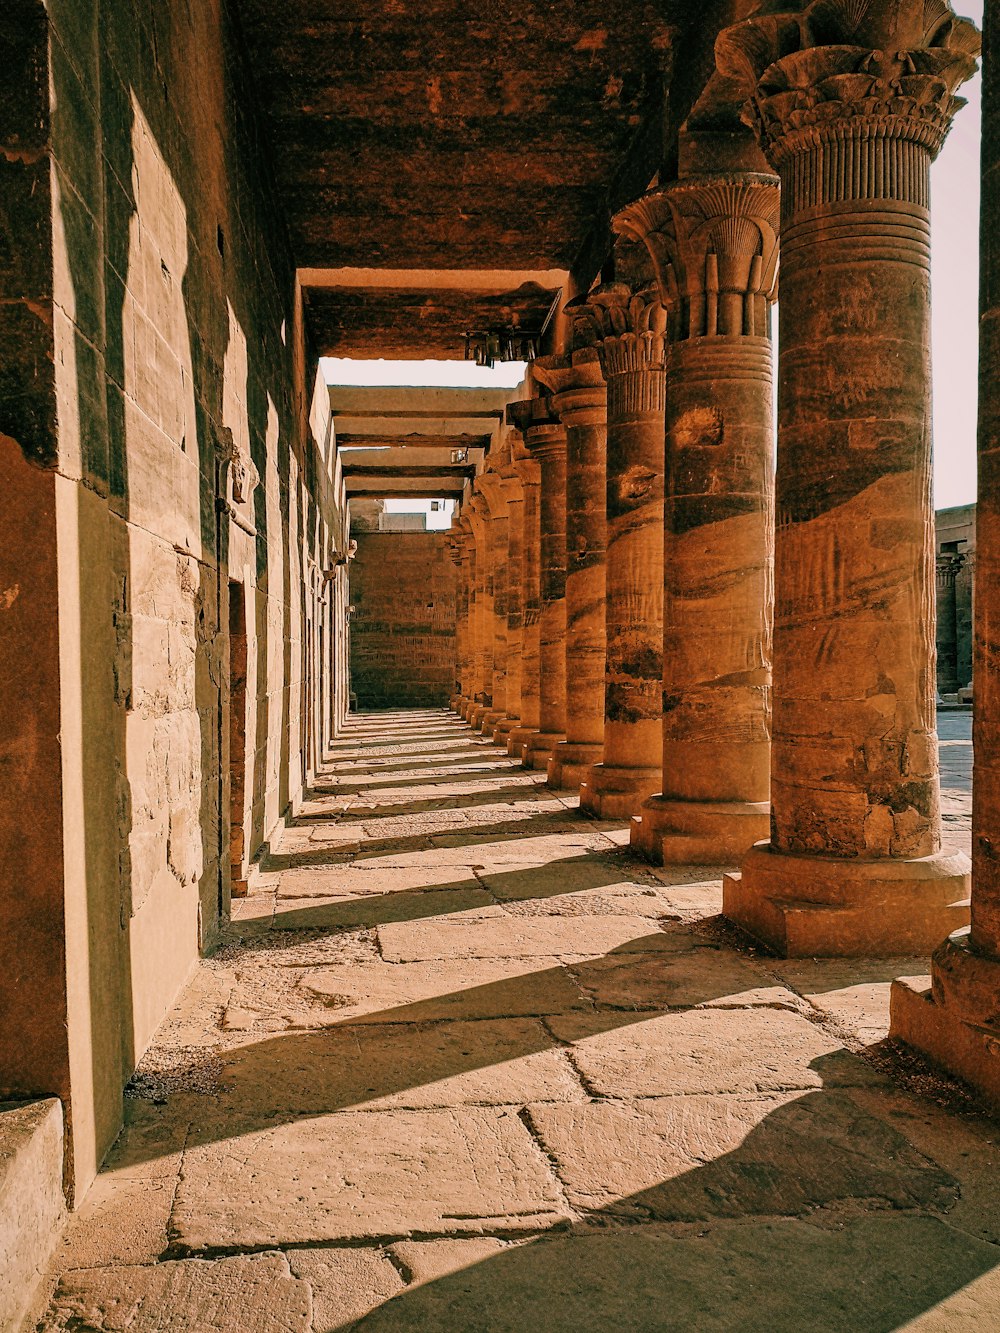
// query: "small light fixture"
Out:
[459,455]
[487,347]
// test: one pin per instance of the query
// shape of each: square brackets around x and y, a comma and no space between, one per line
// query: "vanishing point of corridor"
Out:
[462,1063]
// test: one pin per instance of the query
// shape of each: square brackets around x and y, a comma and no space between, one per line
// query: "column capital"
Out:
[713,240]
[836,70]
[544,434]
[947,564]
[579,393]
[626,327]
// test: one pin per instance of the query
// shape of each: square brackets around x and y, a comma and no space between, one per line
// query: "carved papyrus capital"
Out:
[576,382]
[713,241]
[881,74]
[626,327]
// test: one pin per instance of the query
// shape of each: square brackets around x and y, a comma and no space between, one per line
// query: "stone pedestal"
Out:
[713,241]
[956,1022]
[850,123]
[627,329]
[580,399]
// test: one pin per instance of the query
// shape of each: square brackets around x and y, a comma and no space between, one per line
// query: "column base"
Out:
[490,721]
[956,1021]
[611,792]
[503,729]
[668,831]
[518,740]
[475,716]
[827,907]
[467,706]
[570,763]
[540,749]
[456,702]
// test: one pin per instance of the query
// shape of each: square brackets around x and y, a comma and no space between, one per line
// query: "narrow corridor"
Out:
[464,1064]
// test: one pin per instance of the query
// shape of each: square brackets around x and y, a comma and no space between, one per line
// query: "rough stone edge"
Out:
[32,1203]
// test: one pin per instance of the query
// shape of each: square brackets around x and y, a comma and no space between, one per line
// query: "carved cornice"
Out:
[713,240]
[879,72]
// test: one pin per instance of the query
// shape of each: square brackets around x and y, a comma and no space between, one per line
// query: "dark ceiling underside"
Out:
[443,134]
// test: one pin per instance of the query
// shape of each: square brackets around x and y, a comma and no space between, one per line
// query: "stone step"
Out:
[32,1205]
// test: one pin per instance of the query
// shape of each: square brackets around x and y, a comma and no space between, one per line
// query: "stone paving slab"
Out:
[250,1293]
[498,1062]
[689,977]
[694,1158]
[706,1050]
[358,1176]
[462,1063]
[423,992]
[869,1275]
[526,937]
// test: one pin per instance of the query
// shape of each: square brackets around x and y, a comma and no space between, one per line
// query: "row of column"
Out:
[666,543]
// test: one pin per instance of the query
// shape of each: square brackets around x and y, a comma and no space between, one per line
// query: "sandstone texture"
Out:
[554,1092]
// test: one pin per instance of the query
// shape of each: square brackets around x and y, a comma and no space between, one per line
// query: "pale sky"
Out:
[955,282]
[955,331]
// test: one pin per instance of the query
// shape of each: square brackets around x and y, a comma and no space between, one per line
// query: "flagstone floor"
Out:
[462,1064]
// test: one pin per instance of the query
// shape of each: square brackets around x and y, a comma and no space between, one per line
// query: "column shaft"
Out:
[580,399]
[514,496]
[854,864]
[957,1021]
[547,442]
[634,368]
[529,474]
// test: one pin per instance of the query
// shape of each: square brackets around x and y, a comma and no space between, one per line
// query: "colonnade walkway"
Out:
[463,1064]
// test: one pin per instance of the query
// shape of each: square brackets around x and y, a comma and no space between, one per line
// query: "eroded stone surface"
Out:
[449,1172]
[404,1076]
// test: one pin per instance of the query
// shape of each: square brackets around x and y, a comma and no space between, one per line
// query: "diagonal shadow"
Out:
[526,793]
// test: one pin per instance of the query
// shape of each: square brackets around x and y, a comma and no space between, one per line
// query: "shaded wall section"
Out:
[158,453]
[403,622]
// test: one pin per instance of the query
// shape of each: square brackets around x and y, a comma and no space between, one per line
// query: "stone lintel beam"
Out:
[579,397]
[850,104]
[713,241]
[627,329]
[956,1022]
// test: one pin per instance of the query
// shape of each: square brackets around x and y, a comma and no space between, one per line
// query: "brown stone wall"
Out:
[148,347]
[403,590]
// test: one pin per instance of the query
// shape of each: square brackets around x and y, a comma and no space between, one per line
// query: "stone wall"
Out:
[403,625]
[157,459]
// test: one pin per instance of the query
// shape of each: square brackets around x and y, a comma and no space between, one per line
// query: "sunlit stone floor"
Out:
[462,1064]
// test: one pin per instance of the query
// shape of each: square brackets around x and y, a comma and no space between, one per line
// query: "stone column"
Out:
[459,557]
[957,1021]
[530,476]
[483,697]
[492,488]
[850,104]
[545,440]
[713,241]
[946,568]
[513,494]
[627,329]
[472,622]
[579,397]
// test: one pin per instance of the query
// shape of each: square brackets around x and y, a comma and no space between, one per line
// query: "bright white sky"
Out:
[955,283]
